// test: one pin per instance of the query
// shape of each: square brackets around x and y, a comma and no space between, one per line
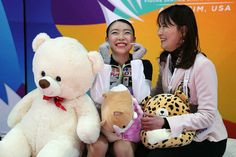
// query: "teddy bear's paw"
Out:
[6,149]
[88,137]
[60,148]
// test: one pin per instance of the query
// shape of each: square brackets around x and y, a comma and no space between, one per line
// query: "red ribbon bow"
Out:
[57,101]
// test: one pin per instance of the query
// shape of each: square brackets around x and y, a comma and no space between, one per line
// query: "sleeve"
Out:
[141,83]
[147,69]
[101,84]
[104,51]
[205,84]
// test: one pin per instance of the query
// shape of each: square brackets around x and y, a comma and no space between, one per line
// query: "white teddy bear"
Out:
[53,119]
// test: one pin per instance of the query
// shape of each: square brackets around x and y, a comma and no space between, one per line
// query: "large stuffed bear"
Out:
[121,115]
[58,116]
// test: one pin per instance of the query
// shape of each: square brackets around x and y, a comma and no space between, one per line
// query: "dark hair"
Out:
[182,15]
[120,20]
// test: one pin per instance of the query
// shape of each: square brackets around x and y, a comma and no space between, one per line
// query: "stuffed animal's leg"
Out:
[14,144]
[62,147]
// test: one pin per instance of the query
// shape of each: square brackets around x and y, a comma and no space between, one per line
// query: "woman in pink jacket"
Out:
[181,63]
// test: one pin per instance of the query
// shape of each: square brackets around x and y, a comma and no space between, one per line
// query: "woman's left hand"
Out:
[139,51]
[150,122]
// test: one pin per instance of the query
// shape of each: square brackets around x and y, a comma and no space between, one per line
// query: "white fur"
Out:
[158,135]
[38,40]
[41,129]
[119,88]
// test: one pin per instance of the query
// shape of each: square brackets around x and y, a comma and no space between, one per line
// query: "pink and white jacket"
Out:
[203,87]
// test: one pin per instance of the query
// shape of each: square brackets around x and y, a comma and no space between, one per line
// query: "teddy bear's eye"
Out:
[43,73]
[58,78]
[123,126]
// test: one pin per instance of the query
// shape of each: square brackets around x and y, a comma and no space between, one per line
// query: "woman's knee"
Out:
[124,148]
[98,148]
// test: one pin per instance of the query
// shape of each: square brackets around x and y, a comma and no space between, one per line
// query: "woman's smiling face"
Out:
[171,37]
[120,38]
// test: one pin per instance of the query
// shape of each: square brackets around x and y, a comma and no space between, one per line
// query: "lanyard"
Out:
[170,80]
[185,82]
[186,79]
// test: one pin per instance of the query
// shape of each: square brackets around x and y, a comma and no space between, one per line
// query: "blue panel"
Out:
[38,19]
[12,48]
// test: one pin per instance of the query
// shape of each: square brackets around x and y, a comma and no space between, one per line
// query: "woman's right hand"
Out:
[150,122]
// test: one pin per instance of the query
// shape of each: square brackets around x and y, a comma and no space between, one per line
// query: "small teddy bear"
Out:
[53,119]
[121,114]
[165,105]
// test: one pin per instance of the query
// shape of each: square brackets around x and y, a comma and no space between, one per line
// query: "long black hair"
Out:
[120,20]
[182,16]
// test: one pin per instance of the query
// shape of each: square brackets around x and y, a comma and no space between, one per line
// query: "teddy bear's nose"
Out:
[44,83]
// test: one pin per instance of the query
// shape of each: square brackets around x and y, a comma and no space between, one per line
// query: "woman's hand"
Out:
[150,122]
[139,51]
[104,50]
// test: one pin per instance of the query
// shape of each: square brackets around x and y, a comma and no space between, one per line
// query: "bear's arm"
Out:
[21,108]
[88,128]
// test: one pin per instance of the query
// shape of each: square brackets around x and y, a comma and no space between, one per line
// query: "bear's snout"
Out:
[44,83]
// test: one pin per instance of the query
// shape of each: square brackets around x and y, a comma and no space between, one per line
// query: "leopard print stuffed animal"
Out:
[165,105]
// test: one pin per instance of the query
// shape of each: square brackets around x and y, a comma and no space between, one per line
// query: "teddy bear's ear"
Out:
[181,95]
[96,60]
[117,114]
[107,94]
[104,95]
[38,40]
[145,101]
